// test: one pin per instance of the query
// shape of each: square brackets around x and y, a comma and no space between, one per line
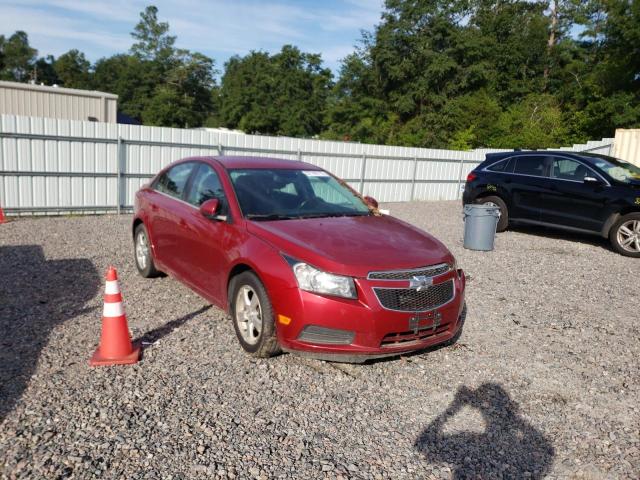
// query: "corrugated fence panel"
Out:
[58,166]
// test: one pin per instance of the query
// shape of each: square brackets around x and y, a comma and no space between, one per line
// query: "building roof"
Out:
[59,90]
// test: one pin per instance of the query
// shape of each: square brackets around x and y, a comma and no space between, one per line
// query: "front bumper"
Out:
[373,331]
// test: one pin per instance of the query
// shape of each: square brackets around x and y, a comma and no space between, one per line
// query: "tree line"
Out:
[442,74]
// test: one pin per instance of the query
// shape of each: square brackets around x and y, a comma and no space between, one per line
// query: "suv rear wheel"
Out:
[494,201]
[625,235]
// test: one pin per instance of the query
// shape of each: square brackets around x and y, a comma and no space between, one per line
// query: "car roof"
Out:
[232,162]
[585,156]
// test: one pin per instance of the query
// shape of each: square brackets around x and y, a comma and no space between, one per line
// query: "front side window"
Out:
[617,169]
[173,181]
[567,169]
[531,165]
[283,194]
[205,186]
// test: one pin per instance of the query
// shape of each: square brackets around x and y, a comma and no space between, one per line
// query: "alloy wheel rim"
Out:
[142,251]
[248,314]
[629,236]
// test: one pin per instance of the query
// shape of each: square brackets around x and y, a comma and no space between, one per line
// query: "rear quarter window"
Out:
[500,166]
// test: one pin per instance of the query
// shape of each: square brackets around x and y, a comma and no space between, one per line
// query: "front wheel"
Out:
[143,256]
[625,235]
[494,201]
[252,315]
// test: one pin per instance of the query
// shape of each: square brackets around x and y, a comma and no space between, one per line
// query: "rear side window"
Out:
[531,165]
[173,181]
[501,166]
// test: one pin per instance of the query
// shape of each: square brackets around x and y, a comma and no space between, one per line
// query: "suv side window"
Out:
[501,166]
[205,186]
[567,169]
[173,181]
[531,165]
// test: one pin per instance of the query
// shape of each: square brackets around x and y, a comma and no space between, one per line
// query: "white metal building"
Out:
[55,102]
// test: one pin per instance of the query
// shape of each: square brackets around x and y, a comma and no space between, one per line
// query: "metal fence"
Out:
[50,166]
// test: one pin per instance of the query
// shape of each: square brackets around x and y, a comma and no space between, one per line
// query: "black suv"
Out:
[582,192]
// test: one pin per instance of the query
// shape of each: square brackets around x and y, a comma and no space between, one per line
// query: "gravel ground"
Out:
[543,382]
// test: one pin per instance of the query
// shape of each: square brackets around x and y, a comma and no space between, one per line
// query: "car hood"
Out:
[353,245]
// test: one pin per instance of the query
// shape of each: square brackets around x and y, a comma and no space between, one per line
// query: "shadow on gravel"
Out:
[156,334]
[36,295]
[585,238]
[508,447]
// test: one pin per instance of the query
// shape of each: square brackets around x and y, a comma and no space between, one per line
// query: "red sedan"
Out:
[298,259]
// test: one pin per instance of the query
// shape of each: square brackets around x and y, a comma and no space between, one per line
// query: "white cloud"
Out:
[218,28]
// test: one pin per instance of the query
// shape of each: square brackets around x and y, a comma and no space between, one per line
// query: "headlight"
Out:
[317,281]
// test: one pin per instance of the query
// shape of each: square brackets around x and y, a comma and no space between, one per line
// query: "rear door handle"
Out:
[154,207]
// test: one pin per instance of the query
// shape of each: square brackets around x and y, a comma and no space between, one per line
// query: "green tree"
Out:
[128,77]
[283,94]
[153,42]
[17,57]
[184,99]
[73,70]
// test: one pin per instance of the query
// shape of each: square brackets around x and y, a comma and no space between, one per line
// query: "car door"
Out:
[167,211]
[205,240]
[571,202]
[528,182]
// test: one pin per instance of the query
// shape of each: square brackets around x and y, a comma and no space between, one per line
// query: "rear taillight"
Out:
[471,177]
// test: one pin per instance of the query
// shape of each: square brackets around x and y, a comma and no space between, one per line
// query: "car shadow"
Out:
[36,295]
[549,232]
[509,447]
[156,334]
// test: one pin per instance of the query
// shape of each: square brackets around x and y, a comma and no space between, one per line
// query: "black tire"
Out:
[148,270]
[266,342]
[503,223]
[614,238]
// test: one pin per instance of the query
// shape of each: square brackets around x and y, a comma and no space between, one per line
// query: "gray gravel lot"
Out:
[543,382]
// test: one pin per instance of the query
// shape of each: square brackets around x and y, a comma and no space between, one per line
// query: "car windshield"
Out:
[616,168]
[283,194]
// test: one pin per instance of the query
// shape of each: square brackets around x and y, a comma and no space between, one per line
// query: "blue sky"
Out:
[217,28]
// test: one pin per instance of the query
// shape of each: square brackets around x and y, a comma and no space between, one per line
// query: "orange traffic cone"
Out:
[115,343]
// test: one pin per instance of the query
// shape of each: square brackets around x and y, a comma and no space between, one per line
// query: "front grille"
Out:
[402,338]
[410,300]
[431,271]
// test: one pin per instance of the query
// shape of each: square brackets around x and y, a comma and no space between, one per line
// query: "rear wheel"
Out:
[143,256]
[252,315]
[625,235]
[494,201]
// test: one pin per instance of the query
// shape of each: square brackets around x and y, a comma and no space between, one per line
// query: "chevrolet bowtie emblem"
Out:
[420,282]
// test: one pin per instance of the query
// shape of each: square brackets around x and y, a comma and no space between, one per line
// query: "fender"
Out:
[606,228]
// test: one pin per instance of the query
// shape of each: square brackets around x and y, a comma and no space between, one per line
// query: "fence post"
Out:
[363,172]
[413,178]
[220,149]
[460,177]
[299,156]
[119,172]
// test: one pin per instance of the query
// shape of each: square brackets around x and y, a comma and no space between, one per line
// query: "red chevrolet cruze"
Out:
[298,259]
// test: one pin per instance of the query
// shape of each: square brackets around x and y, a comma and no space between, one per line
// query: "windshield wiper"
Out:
[268,216]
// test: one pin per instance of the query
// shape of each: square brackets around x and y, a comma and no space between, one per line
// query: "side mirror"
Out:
[592,181]
[372,202]
[209,209]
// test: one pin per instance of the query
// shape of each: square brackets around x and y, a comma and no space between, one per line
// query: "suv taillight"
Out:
[471,177]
